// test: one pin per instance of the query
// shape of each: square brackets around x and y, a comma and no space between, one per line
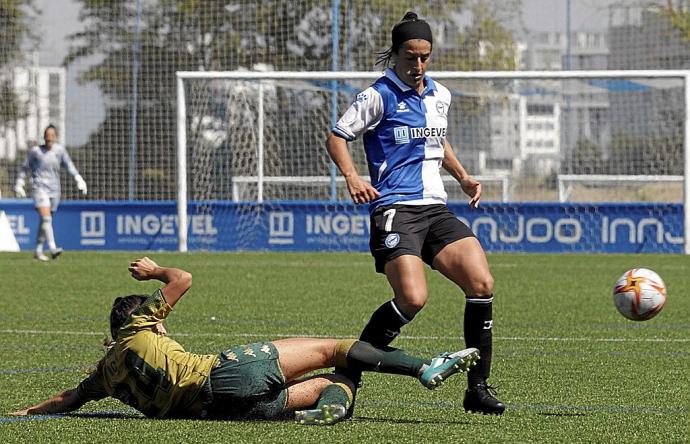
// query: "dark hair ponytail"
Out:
[122,308]
[410,27]
[409,15]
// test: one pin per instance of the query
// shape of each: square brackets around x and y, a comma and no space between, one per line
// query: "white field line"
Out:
[307,335]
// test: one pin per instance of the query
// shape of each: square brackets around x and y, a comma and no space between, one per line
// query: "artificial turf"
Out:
[568,366]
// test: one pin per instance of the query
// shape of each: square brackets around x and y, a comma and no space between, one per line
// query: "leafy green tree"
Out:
[228,35]
[15,35]
[679,17]
[483,43]
[15,25]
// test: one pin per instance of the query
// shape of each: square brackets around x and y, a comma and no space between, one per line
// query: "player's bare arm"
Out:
[360,190]
[177,281]
[66,401]
[470,186]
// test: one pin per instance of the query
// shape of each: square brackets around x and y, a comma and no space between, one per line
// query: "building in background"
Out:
[534,126]
[41,95]
[581,111]
[642,38]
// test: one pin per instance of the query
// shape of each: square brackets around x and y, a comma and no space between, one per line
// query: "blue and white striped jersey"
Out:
[404,135]
[44,166]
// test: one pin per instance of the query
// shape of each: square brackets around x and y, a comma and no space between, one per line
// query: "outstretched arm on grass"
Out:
[66,401]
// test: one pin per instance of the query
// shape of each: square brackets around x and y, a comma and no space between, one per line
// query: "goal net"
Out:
[251,144]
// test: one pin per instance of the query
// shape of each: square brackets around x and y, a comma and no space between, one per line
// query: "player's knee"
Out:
[412,304]
[483,287]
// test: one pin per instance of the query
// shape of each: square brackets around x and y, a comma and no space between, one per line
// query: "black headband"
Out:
[409,30]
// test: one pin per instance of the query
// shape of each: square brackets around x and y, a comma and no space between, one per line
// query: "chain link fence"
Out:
[104,73]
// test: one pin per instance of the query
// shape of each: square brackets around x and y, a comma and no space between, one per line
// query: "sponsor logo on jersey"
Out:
[441,108]
[361,97]
[401,134]
[420,133]
[392,240]
[402,108]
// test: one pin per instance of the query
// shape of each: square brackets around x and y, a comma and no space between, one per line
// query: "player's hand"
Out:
[24,412]
[81,185]
[19,190]
[473,189]
[360,190]
[143,269]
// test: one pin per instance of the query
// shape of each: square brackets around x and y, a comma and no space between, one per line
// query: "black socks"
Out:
[384,325]
[478,329]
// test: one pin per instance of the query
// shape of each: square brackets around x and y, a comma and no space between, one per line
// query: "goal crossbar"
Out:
[504,182]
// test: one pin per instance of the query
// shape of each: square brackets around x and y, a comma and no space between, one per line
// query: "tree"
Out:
[15,34]
[175,35]
[228,35]
[15,25]
[679,17]
[646,155]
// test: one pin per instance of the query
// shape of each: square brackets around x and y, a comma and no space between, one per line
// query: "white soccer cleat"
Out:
[41,257]
[56,252]
[324,415]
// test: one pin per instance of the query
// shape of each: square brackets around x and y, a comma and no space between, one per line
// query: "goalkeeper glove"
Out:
[81,185]
[19,189]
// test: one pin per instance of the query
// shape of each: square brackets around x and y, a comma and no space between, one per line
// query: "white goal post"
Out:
[262,81]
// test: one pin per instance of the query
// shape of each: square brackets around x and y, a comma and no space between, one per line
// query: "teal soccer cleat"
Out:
[447,364]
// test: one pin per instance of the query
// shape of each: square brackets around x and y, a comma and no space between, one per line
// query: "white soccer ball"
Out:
[639,294]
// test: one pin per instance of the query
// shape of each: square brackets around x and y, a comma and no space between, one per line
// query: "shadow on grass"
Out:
[561,414]
[407,421]
[104,415]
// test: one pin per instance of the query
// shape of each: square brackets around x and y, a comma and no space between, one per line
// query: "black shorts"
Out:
[419,230]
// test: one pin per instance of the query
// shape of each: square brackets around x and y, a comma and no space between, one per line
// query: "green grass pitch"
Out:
[569,367]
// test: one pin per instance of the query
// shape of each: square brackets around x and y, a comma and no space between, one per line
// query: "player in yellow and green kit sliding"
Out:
[149,371]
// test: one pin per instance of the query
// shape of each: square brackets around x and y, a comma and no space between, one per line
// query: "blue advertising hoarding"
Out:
[323,226]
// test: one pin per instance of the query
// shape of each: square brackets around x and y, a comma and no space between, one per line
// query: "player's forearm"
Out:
[177,283]
[69,165]
[453,165]
[63,402]
[168,275]
[337,149]
[456,170]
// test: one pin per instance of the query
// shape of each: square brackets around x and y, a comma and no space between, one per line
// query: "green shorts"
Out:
[247,383]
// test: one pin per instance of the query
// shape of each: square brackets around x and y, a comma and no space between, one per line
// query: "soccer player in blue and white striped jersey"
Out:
[43,164]
[402,119]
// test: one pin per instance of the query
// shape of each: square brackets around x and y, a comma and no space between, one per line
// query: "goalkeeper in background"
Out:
[149,371]
[43,163]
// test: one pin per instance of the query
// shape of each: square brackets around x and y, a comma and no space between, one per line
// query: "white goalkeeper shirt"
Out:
[404,135]
[44,166]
